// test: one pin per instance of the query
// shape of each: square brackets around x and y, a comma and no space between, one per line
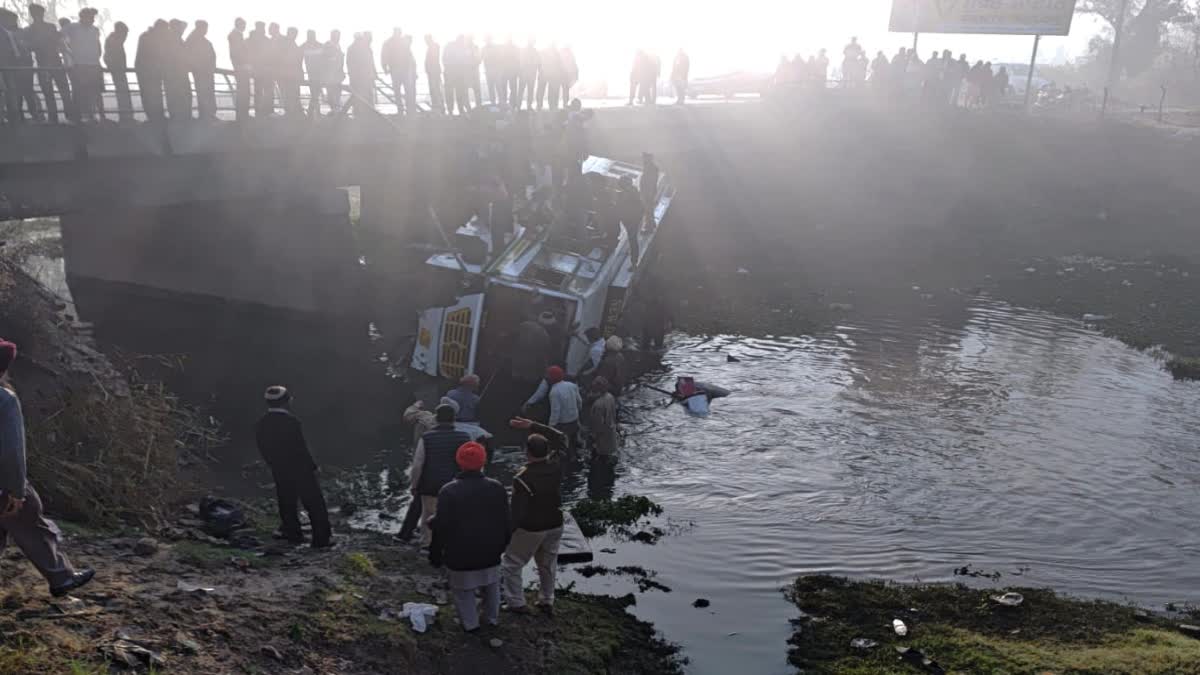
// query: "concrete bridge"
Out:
[255,212]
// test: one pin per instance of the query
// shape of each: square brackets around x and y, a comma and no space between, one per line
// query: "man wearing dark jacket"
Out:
[117,63]
[470,533]
[21,516]
[538,521]
[202,62]
[281,442]
[433,464]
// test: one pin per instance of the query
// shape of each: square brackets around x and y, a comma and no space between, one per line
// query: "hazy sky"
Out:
[725,36]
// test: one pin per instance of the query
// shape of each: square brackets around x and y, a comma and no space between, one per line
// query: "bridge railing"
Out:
[24,91]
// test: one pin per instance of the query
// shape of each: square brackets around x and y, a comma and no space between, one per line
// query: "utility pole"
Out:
[1113,69]
[1037,39]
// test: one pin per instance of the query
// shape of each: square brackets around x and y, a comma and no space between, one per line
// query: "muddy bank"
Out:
[848,626]
[192,604]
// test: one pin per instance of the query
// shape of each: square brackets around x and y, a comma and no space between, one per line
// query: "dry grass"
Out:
[103,446]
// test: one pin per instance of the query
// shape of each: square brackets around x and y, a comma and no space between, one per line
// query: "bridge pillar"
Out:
[292,253]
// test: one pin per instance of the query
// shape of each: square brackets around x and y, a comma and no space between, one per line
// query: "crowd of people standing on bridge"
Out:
[940,79]
[270,68]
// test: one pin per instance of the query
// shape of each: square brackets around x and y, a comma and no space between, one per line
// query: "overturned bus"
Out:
[535,272]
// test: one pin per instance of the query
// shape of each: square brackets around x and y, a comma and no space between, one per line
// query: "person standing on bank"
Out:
[470,534]
[433,464]
[21,516]
[87,79]
[433,73]
[47,45]
[281,442]
[537,521]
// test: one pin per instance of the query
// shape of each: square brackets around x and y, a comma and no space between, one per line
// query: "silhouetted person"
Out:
[531,64]
[491,70]
[397,60]
[632,214]
[10,56]
[879,69]
[175,73]
[313,54]
[239,58]
[637,75]
[202,61]
[1000,83]
[821,69]
[47,46]
[510,62]
[281,442]
[472,62]
[258,55]
[648,186]
[550,80]
[455,59]
[117,64]
[291,73]
[433,73]
[335,70]
[360,66]
[276,48]
[680,71]
[956,74]
[87,78]
[148,63]
[570,73]
[19,84]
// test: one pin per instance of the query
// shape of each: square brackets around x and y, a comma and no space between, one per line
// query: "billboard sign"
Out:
[1006,17]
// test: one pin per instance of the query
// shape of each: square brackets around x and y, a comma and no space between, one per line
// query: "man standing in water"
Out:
[281,442]
[470,533]
[21,516]
[565,403]
[538,522]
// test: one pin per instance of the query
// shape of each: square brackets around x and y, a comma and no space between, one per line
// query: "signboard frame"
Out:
[986,17]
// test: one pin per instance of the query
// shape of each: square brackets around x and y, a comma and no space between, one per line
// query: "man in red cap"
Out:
[21,516]
[470,532]
[566,404]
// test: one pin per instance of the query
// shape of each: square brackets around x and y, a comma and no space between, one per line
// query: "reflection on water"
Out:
[894,447]
[1017,442]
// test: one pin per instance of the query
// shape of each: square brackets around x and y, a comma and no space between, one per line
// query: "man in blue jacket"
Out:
[21,516]
[470,533]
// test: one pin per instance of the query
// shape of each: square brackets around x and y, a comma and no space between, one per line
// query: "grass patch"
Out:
[597,516]
[207,556]
[1184,367]
[358,565]
[963,630]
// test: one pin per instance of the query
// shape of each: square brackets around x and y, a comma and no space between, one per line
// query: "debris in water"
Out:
[730,358]
[1009,599]
[899,627]
[496,643]
[268,650]
[1190,630]
[1030,270]
[1092,318]
[701,603]
[863,643]
[743,271]
[841,307]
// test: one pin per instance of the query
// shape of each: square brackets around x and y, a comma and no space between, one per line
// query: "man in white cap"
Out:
[281,442]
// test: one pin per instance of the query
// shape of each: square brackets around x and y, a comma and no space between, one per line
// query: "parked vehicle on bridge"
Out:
[582,283]
[730,85]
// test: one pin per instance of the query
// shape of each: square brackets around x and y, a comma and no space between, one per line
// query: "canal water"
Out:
[904,448]
[899,447]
